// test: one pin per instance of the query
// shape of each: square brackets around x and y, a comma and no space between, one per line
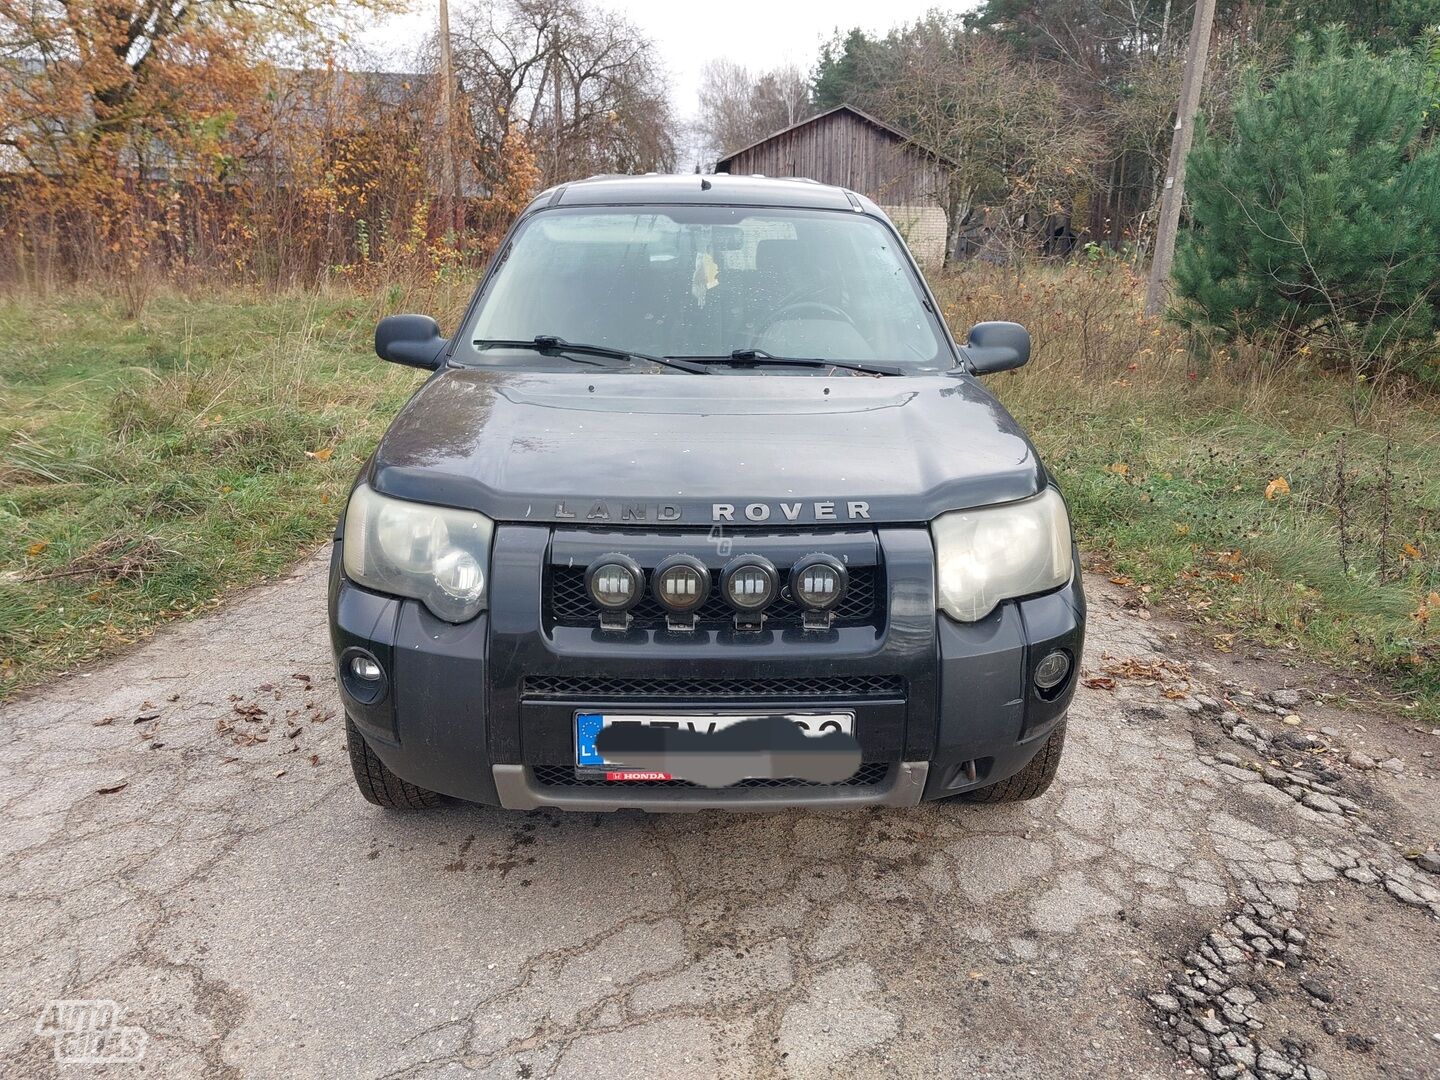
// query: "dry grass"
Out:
[148,466]
[1169,453]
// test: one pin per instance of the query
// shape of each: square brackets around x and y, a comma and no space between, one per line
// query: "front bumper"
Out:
[516,785]
[484,711]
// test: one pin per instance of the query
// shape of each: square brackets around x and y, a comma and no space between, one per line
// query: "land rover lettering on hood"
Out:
[702,508]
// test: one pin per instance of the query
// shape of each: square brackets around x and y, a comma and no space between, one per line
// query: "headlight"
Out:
[433,554]
[995,553]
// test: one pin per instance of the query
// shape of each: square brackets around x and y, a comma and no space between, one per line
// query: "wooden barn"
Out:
[852,149]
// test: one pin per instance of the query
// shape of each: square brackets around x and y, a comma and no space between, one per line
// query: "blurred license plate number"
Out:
[589,724]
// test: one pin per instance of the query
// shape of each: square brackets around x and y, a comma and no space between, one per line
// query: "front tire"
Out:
[1030,782]
[377,783]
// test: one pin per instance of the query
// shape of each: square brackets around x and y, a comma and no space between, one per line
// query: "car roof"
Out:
[720,189]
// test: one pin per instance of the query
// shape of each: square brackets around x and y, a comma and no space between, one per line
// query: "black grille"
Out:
[570,604]
[603,688]
[868,775]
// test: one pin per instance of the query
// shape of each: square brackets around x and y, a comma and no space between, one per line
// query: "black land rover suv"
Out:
[702,450]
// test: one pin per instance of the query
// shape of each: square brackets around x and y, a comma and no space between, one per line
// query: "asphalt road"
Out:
[180,835]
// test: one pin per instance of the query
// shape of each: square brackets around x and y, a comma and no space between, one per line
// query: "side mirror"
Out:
[997,346]
[412,340]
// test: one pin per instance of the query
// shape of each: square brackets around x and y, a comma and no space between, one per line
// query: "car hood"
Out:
[667,449]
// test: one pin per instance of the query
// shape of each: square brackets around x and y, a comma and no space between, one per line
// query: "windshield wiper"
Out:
[750,357]
[549,343]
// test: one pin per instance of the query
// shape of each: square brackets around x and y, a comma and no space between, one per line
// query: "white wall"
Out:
[923,228]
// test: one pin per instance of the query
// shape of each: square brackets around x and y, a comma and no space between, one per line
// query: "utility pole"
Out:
[451,210]
[1173,194]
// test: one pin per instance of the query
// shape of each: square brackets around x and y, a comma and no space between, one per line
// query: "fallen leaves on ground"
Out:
[1171,677]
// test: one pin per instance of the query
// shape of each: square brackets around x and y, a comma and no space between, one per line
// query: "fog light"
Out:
[1052,670]
[365,669]
[362,676]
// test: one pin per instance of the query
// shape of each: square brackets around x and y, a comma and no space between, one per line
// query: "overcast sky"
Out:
[757,33]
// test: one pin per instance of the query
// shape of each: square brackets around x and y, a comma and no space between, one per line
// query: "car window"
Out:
[704,281]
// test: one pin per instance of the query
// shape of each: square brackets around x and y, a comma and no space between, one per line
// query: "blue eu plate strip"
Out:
[587,726]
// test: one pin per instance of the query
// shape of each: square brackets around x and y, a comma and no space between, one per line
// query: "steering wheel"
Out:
[814,307]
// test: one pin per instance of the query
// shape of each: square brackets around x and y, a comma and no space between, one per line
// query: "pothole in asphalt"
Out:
[1353,981]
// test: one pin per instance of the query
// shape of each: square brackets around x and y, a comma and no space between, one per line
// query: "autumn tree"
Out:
[739,107]
[105,98]
[317,184]
[583,85]
[519,179]
[1119,61]
[1018,145]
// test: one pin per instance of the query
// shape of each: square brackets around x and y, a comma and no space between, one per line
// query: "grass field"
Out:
[1247,495]
[148,467]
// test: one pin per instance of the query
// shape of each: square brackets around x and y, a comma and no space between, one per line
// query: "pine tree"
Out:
[1320,212]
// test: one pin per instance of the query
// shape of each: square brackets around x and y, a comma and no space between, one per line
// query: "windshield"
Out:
[706,281]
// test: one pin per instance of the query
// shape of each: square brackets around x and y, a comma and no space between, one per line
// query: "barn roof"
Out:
[874,122]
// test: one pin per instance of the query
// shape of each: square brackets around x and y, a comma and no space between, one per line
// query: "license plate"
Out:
[589,724]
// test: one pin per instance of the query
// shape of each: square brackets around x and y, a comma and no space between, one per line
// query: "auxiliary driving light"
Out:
[749,582]
[615,582]
[682,584]
[1052,670]
[818,582]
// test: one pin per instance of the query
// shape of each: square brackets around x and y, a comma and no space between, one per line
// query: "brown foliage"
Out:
[518,175]
[143,141]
